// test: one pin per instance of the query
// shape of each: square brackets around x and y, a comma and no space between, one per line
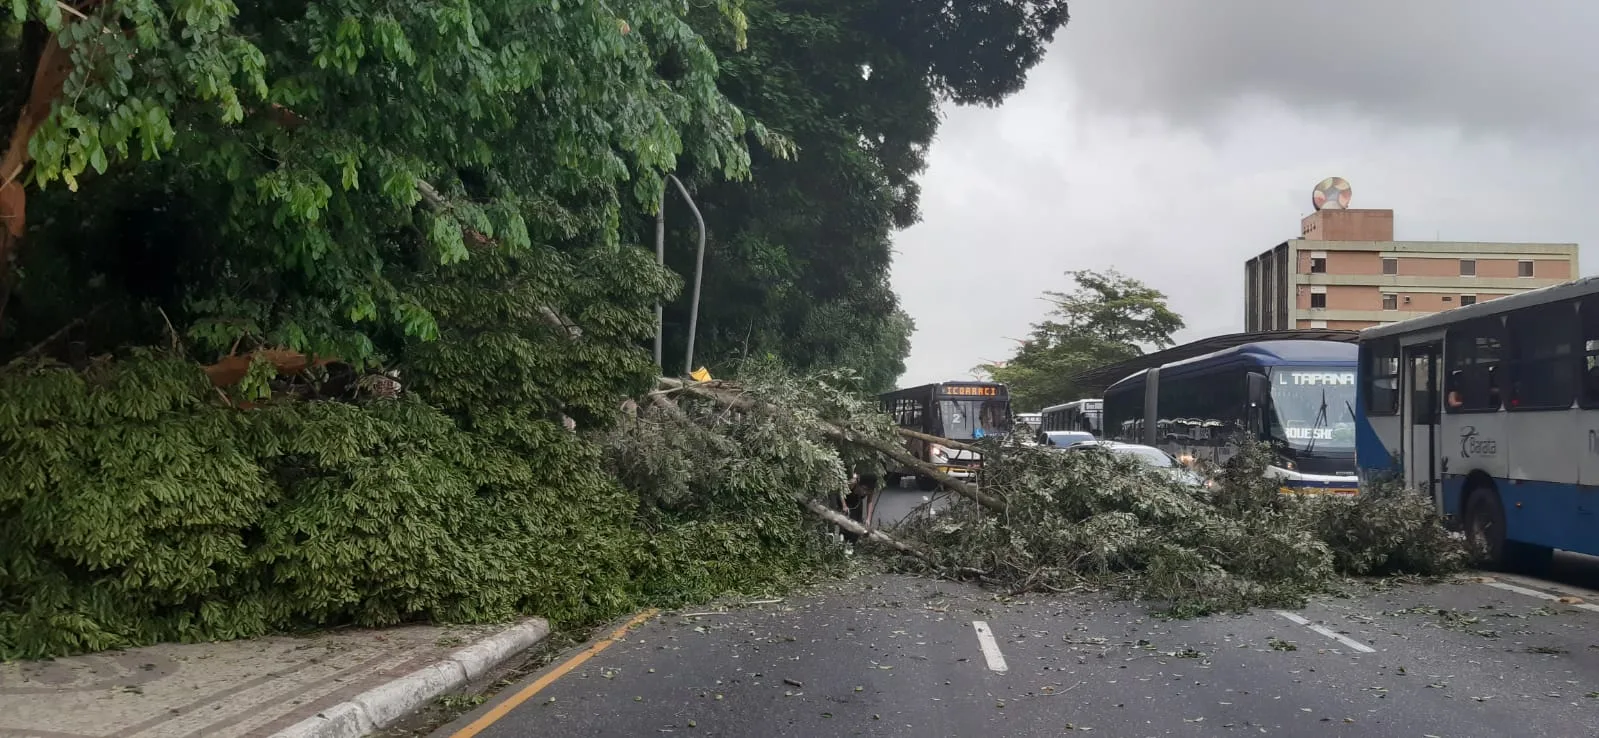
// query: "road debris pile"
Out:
[1041,520]
[1088,519]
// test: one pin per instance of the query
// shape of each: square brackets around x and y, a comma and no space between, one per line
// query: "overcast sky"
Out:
[1173,139]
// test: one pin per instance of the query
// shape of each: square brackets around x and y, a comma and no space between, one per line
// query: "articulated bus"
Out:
[1296,395]
[959,411]
[1493,409]
[1077,415]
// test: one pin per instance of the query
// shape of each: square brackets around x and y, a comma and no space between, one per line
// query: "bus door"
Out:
[1423,402]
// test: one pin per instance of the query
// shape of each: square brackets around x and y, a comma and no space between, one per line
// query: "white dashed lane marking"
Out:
[985,641]
[1547,596]
[1341,638]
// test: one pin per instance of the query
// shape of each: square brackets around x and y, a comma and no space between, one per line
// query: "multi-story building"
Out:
[1347,272]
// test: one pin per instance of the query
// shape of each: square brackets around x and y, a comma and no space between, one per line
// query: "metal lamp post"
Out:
[699,270]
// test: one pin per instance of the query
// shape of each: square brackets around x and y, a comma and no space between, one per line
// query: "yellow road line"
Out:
[538,685]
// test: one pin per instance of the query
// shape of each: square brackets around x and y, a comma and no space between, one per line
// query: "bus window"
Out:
[1590,339]
[1542,361]
[1475,350]
[1382,390]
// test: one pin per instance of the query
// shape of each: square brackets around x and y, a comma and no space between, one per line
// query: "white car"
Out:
[1150,456]
[1065,439]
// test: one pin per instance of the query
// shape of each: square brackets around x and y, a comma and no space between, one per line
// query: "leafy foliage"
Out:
[1095,518]
[454,193]
[290,146]
[1107,319]
[718,486]
[797,265]
[133,510]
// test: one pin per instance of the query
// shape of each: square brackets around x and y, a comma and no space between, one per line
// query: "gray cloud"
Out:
[1486,66]
[1059,179]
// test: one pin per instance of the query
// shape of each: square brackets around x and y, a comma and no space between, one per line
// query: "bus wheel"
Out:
[926,484]
[1484,523]
[892,479]
[1485,532]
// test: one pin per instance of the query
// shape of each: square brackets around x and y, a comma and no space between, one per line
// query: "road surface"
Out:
[899,656]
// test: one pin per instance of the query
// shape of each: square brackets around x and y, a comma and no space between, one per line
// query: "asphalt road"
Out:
[900,656]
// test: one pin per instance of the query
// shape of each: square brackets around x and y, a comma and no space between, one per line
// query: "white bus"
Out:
[1493,409]
[1077,415]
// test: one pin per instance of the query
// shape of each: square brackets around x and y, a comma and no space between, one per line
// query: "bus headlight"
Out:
[1286,463]
[938,454]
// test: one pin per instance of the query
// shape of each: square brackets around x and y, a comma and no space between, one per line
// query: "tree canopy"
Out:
[1108,318]
[798,260]
[224,227]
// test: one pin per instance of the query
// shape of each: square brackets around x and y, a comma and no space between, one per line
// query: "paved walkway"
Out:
[216,690]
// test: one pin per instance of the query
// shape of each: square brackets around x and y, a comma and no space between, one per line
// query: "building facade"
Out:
[1347,272]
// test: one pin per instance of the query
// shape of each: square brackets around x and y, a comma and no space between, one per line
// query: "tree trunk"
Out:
[843,521]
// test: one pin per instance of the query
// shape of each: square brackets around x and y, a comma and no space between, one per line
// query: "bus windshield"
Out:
[1312,408]
[971,419]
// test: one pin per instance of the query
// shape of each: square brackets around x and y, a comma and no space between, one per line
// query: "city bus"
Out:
[1025,426]
[1493,410]
[1298,396]
[959,411]
[1077,415]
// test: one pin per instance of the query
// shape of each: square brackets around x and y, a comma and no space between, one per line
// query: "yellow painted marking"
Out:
[500,710]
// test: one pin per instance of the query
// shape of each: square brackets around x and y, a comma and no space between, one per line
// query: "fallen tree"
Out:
[1045,520]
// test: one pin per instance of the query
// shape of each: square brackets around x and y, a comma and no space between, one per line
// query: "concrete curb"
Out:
[382,706]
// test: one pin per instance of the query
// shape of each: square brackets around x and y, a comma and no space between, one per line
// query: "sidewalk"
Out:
[251,688]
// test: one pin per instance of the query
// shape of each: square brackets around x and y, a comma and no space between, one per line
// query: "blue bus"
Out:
[1296,395]
[1493,409]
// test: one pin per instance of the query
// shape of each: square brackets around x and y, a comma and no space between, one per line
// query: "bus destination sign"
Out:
[969,391]
[1316,378]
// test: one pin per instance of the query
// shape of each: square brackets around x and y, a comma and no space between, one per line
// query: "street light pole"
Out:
[660,261]
[699,270]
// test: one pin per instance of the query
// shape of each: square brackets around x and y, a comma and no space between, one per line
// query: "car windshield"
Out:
[1312,408]
[971,419]
[1151,456]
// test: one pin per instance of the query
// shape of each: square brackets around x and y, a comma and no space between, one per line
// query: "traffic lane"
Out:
[895,504]
[1120,671]
[1504,661]
[889,656]
[895,656]
[1472,641]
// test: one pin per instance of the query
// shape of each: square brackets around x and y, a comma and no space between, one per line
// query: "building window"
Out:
[1318,265]
[1390,266]
[1318,300]
[1468,267]
[1524,268]
[1466,300]
[1390,302]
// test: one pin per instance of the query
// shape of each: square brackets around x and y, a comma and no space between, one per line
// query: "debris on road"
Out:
[1039,520]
